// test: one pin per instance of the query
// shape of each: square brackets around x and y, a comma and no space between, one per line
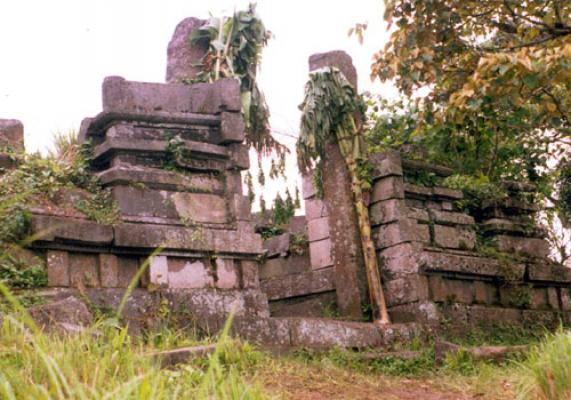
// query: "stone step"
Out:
[322,333]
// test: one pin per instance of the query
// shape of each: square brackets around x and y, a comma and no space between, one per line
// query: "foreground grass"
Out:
[110,364]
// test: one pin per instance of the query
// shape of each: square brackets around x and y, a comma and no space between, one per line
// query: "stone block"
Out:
[326,333]
[537,297]
[212,98]
[250,273]
[447,262]
[400,232]
[58,268]
[400,260]
[338,59]
[232,128]
[553,297]
[451,290]
[241,207]
[315,208]
[417,191]
[387,163]
[109,270]
[486,293]
[128,268]
[446,193]
[450,218]
[84,270]
[540,319]
[310,306]
[234,182]
[546,272]
[69,310]
[227,274]
[489,316]
[267,331]
[182,58]
[11,134]
[201,207]
[454,238]
[239,156]
[221,241]
[433,205]
[308,189]
[387,211]
[50,228]
[159,271]
[447,206]
[293,264]
[391,187]
[418,214]
[277,245]
[123,96]
[566,298]
[189,274]
[318,229]
[530,246]
[406,290]
[302,284]
[320,254]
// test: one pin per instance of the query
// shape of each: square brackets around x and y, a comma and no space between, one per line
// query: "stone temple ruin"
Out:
[212,259]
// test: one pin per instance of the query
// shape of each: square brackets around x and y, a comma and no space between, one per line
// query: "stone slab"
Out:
[222,241]
[227,274]
[84,270]
[109,270]
[310,306]
[403,231]
[484,266]
[49,228]
[451,218]
[548,273]
[280,266]
[315,208]
[277,245]
[324,333]
[391,187]
[533,247]
[318,229]
[454,237]
[387,163]
[189,274]
[387,211]
[232,127]
[58,268]
[250,274]
[302,284]
[320,254]
[159,271]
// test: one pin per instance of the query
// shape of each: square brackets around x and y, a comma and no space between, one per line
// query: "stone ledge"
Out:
[160,179]
[319,281]
[96,126]
[484,266]
[110,146]
[549,273]
[199,239]
[49,228]
[421,165]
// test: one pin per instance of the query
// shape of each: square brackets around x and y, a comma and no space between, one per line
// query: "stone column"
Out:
[344,233]
[181,56]
[11,137]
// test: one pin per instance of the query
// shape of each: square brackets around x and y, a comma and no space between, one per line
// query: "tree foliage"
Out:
[491,83]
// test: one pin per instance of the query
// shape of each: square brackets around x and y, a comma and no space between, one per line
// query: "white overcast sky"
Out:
[55,54]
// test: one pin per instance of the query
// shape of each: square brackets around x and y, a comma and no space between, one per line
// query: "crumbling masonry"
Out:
[172,155]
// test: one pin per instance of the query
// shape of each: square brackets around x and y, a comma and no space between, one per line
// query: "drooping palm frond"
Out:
[235,51]
[327,113]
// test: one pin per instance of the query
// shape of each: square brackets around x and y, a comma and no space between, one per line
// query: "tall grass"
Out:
[106,363]
[546,373]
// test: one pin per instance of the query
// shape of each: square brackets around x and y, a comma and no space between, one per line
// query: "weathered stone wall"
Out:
[294,285]
[431,267]
[185,200]
[11,138]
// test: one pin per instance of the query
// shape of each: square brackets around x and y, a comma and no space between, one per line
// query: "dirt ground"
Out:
[297,381]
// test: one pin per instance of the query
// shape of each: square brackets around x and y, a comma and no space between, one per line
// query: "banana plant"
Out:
[328,114]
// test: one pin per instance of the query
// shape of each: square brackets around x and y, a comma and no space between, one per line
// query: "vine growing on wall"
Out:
[328,116]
